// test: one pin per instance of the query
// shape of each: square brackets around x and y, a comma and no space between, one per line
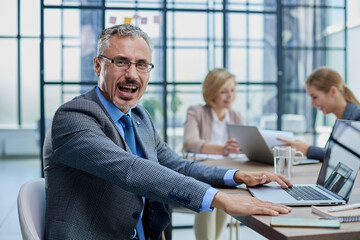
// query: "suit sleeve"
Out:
[316,153]
[170,159]
[208,174]
[79,141]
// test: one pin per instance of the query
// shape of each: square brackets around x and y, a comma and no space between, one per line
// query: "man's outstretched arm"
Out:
[242,206]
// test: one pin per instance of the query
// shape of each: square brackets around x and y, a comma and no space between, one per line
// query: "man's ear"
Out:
[97,66]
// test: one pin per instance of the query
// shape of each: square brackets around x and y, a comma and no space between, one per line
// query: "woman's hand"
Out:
[297,144]
[231,146]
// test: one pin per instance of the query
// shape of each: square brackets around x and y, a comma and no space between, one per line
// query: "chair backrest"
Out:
[31,209]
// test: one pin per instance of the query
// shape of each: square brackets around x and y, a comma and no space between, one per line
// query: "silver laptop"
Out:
[337,174]
[253,144]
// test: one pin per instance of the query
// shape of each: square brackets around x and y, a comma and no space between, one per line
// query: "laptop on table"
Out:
[255,146]
[336,177]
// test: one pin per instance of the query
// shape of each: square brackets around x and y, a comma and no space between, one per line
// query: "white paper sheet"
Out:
[203,157]
[271,135]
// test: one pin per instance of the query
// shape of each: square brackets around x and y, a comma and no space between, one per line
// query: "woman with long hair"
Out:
[329,94]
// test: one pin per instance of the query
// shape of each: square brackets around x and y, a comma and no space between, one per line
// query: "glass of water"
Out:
[282,160]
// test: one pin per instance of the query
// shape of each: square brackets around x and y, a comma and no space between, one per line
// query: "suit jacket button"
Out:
[136,215]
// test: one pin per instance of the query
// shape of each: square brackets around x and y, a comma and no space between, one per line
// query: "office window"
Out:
[241,36]
[8,82]
[192,51]
[19,78]
[30,21]
[8,15]
[253,5]
[179,99]
[134,4]
[252,50]
[190,38]
[30,84]
[70,39]
[311,38]
[69,3]
[195,4]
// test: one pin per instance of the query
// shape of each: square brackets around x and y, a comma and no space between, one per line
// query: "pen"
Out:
[345,207]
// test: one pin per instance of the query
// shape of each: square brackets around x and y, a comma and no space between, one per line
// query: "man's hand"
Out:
[256,178]
[231,146]
[297,144]
[243,206]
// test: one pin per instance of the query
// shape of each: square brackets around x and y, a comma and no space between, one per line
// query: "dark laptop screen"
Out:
[342,159]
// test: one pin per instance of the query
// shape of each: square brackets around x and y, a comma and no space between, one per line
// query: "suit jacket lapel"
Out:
[91,95]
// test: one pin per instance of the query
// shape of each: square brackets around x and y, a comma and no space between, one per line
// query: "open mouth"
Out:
[128,89]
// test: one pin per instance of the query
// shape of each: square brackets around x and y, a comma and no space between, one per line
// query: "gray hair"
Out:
[122,30]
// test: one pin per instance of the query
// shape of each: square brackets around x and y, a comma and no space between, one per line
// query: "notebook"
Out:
[257,144]
[351,215]
[305,222]
[336,177]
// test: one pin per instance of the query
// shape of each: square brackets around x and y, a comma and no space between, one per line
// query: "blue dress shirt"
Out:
[116,114]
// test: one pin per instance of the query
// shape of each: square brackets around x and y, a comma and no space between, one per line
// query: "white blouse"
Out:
[219,133]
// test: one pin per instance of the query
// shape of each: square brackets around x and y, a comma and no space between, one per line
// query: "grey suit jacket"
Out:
[94,183]
[352,112]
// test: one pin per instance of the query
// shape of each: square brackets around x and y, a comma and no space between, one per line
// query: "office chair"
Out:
[31,209]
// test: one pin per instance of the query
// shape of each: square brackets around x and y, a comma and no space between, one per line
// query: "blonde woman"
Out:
[329,94]
[205,132]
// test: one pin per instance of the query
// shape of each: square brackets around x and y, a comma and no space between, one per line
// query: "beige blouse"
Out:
[198,126]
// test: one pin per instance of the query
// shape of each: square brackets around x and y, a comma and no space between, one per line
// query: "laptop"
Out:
[255,146]
[336,177]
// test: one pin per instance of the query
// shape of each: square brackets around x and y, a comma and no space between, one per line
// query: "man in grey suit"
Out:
[102,185]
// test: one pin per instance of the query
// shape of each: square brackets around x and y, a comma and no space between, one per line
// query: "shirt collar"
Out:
[113,111]
[226,119]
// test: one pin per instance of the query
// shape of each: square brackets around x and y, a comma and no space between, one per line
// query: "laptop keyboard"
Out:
[305,193]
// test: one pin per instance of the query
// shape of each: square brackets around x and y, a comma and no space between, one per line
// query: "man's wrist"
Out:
[238,177]
[229,178]
[218,201]
[208,198]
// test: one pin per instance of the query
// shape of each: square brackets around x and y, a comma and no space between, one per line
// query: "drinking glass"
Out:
[282,160]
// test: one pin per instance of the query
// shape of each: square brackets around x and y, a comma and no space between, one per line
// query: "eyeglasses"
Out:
[125,65]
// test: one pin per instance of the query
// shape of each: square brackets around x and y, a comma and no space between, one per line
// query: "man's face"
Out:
[123,88]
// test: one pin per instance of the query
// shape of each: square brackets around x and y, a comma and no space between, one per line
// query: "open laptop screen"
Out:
[342,159]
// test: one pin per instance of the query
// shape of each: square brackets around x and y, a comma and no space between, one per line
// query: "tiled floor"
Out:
[14,172]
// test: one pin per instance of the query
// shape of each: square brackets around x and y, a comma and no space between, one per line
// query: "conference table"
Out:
[300,174]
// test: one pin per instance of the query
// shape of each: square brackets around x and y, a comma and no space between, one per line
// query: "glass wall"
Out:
[271,47]
[19,74]
[307,43]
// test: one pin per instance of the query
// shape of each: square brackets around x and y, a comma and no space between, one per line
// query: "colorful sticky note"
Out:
[127,20]
[157,19]
[112,20]
[144,20]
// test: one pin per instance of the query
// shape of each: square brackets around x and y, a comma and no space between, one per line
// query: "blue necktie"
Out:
[130,141]
[129,132]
